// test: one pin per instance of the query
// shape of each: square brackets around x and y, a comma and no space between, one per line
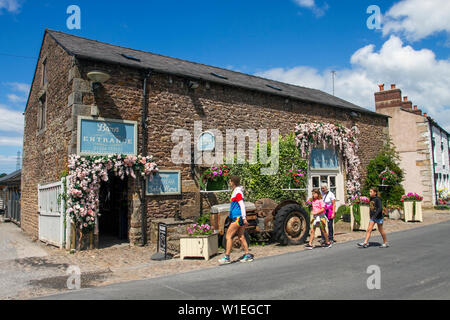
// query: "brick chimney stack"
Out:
[406,104]
[388,98]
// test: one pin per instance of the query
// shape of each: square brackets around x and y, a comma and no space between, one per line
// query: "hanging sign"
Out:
[100,136]
[164,182]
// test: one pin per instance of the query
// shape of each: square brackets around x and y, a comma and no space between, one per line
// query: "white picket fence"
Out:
[51,215]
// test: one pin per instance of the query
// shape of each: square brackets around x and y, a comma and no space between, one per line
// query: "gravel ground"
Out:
[47,275]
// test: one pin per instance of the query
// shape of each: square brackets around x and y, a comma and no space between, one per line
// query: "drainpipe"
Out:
[147,75]
[432,157]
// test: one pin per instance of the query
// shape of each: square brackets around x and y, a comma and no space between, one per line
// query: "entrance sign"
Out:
[206,142]
[100,136]
[164,182]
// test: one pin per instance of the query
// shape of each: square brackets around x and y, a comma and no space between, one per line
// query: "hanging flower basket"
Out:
[216,185]
[388,177]
[215,178]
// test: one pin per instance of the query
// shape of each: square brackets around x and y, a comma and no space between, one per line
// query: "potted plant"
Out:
[199,242]
[359,212]
[412,204]
[215,178]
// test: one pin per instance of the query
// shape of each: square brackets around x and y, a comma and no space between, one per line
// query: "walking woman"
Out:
[330,210]
[238,222]
[319,219]
[376,216]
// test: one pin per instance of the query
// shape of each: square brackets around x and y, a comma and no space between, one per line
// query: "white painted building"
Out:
[441,160]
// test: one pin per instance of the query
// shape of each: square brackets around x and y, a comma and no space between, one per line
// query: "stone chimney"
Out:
[388,98]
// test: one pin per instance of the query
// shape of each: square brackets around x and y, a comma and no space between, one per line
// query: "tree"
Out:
[2,175]
[388,157]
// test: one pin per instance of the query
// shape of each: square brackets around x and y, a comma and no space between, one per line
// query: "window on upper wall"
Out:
[44,72]
[42,112]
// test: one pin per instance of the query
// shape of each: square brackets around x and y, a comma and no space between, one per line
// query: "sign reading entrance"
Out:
[164,182]
[99,136]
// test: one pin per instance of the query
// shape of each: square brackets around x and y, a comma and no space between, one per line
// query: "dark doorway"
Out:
[113,207]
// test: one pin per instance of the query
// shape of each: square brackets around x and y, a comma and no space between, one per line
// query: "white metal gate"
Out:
[51,215]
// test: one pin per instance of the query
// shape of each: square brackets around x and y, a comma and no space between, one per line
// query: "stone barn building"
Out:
[172,93]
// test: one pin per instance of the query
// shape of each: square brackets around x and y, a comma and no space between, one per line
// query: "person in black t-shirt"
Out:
[376,216]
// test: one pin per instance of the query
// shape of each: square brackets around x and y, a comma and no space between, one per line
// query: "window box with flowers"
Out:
[359,213]
[215,178]
[200,242]
[412,204]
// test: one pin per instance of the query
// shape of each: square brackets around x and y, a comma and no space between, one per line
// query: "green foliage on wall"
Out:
[341,211]
[258,186]
[387,157]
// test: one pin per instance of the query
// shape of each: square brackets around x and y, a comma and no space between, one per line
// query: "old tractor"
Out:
[286,222]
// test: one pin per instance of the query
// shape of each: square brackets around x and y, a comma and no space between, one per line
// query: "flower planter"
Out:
[364,218]
[199,246]
[409,211]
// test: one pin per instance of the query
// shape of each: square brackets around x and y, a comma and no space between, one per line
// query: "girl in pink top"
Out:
[319,219]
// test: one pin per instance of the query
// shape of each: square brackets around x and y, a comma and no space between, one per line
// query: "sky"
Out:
[294,41]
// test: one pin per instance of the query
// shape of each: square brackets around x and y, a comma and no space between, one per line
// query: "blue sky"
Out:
[296,41]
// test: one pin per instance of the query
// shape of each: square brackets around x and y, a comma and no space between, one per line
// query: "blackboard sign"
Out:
[164,182]
[162,239]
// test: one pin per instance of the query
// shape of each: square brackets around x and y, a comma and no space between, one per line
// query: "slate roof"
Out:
[12,178]
[94,50]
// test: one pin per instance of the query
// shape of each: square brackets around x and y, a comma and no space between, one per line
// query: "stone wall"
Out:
[45,152]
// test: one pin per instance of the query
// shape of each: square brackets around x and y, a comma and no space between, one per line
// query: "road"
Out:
[416,266]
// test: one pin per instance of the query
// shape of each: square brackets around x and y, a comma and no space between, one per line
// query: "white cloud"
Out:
[311,4]
[306,3]
[420,76]
[23,88]
[12,6]
[11,120]
[16,99]
[417,19]
[11,141]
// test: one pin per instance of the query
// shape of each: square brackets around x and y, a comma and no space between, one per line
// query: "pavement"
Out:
[416,266]
[16,250]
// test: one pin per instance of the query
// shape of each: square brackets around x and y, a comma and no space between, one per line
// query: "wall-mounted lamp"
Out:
[193,85]
[354,114]
[97,78]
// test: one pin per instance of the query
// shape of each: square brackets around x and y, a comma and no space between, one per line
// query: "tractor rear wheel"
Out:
[291,225]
